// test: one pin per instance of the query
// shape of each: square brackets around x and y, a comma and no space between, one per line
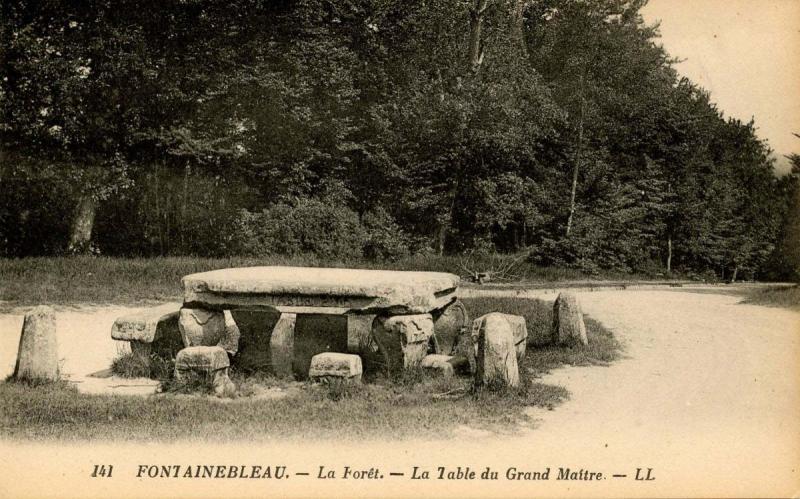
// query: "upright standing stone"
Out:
[497,365]
[519,329]
[517,323]
[359,330]
[37,357]
[447,325]
[403,340]
[568,326]
[281,345]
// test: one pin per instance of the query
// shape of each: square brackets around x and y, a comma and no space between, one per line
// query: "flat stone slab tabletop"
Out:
[304,288]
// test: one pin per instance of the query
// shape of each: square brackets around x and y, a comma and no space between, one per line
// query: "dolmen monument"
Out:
[319,323]
[278,318]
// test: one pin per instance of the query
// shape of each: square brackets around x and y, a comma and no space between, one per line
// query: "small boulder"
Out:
[568,326]
[332,365]
[144,325]
[439,364]
[403,340]
[496,357]
[153,332]
[204,360]
[37,357]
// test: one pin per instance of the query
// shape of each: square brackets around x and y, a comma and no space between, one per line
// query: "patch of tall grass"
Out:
[786,297]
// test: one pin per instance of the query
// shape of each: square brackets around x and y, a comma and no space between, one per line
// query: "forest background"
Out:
[371,130]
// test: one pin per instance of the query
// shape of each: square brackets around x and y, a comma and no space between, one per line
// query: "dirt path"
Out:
[708,396]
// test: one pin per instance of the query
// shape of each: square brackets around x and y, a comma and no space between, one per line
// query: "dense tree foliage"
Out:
[373,128]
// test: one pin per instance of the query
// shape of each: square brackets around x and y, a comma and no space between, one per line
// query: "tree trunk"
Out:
[524,234]
[577,161]
[735,273]
[444,225]
[441,234]
[669,254]
[518,24]
[184,202]
[82,225]
[475,29]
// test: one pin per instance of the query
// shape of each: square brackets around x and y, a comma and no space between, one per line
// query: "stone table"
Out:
[283,293]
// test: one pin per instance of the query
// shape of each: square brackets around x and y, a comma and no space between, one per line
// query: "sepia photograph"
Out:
[399,248]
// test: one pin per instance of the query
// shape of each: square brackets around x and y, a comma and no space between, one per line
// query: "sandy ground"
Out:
[84,345]
[707,397]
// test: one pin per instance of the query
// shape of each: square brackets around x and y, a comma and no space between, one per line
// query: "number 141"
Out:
[101,470]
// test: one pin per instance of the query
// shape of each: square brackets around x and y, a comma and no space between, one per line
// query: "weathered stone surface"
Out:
[568,326]
[403,340]
[441,364]
[201,359]
[359,330]
[201,327]
[37,356]
[230,342]
[519,330]
[448,324]
[281,345]
[349,289]
[496,357]
[328,365]
[143,325]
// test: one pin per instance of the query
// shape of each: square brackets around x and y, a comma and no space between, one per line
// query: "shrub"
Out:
[130,365]
[320,228]
[385,240]
[309,226]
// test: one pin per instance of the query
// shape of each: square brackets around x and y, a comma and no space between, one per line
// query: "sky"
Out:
[746,53]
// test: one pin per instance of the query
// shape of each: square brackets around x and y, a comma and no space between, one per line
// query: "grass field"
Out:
[80,279]
[421,406]
[775,297]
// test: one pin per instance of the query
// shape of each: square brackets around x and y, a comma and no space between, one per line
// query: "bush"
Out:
[130,365]
[385,240]
[321,228]
[309,226]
